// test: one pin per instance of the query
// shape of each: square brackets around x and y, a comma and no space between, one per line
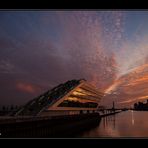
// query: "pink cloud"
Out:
[26,87]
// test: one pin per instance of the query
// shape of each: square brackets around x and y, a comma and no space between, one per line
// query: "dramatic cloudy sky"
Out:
[40,49]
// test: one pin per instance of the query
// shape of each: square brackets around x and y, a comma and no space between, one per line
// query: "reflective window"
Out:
[84,94]
[77,102]
[90,91]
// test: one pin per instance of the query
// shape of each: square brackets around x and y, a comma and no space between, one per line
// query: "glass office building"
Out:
[72,97]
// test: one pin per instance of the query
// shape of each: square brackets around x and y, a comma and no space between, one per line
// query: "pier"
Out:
[55,126]
[50,127]
[108,112]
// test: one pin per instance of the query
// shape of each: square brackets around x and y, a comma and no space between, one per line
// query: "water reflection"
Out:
[133,121]
[107,127]
[124,124]
[109,120]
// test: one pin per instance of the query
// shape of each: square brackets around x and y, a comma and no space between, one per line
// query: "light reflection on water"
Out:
[124,124]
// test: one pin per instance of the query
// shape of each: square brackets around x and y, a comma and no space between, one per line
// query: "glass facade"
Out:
[82,98]
[71,103]
[48,98]
[70,97]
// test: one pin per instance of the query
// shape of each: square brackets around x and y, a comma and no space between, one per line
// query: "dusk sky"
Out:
[40,49]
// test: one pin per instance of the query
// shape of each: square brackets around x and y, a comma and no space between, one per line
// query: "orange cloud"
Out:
[134,100]
[26,87]
[129,88]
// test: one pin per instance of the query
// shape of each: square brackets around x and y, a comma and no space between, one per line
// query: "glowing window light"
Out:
[80,91]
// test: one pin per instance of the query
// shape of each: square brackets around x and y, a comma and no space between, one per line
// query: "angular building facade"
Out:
[72,97]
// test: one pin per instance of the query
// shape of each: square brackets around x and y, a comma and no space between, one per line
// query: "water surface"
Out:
[125,124]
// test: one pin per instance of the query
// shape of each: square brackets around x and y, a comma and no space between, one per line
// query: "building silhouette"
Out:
[141,106]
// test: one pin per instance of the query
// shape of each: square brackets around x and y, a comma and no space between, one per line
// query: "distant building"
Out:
[72,97]
[141,106]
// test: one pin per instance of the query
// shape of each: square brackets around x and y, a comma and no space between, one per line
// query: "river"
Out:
[125,124]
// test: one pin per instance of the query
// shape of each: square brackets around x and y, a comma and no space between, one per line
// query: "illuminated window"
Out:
[77,102]
[83,92]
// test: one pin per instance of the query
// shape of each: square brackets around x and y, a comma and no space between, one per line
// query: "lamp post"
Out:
[113,106]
